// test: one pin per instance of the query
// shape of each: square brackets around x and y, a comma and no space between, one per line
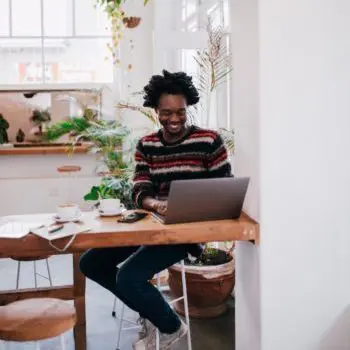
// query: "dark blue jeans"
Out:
[130,282]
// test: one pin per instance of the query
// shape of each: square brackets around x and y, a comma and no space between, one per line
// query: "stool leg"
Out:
[157,331]
[37,345]
[35,275]
[3,345]
[63,342]
[48,272]
[18,273]
[114,307]
[187,316]
[120,326]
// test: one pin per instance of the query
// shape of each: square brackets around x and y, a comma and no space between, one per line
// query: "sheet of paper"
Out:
[69,229]
[16,229]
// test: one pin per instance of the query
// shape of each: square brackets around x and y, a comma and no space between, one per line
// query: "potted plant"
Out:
[210,280]
[4,125]
[112,190]
[40,118]
[74,125]
[114,148]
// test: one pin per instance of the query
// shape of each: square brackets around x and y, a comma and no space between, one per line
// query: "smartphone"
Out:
[132,217]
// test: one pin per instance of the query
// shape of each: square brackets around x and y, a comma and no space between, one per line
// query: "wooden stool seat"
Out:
[36,319]
[30,258]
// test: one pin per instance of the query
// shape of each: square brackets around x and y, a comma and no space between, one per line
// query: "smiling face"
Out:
[172,114]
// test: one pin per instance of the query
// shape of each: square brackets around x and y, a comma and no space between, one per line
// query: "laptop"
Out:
[204,200]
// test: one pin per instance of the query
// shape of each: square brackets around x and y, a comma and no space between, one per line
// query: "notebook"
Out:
[69,229]
[16,229]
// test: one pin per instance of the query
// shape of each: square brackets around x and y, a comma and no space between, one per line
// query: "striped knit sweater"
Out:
[199,154]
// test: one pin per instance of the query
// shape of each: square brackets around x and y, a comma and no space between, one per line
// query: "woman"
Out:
[177,151]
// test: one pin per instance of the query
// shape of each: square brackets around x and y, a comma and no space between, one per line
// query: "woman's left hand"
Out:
[161,207]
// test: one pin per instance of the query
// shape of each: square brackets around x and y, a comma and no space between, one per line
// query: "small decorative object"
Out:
[131,22]
[20,135]
[4,125]
[29,94]
[40,118]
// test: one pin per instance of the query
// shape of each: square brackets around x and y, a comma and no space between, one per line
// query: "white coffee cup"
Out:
[67,211]
[110,205]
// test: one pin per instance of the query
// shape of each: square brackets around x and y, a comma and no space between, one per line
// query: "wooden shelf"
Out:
[40,150]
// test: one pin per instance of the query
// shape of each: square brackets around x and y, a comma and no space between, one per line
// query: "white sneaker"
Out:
[165,340]
[147,328]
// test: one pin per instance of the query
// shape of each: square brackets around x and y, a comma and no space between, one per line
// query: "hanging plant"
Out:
[118,23]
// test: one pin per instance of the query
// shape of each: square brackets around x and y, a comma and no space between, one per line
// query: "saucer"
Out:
[111,213]
[63,220]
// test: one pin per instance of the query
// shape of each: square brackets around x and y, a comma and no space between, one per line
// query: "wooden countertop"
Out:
[9,151]
[107,232]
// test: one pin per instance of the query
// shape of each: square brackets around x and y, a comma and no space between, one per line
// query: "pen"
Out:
[55,228]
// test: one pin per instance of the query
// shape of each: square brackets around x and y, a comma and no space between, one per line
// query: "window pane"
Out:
[78,61]
[4,17]
[189,65]
[226,11]
[215,14]
[26,17]
[20,61]
[58,18]
[89,20]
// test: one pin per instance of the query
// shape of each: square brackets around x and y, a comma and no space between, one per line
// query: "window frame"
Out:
[57,85]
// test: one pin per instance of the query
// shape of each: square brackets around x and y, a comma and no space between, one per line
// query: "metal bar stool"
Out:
[35,320]
[121,318]
[36,274]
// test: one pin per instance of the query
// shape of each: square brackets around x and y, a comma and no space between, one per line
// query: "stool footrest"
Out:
[175,300]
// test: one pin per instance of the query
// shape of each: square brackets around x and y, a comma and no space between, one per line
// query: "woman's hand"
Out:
[161,207]
[155,205]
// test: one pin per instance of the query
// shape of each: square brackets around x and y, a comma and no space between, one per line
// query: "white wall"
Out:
[305,172]
[245,121]
[141,59]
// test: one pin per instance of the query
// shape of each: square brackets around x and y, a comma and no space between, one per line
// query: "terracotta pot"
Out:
[208,288]
[131,22]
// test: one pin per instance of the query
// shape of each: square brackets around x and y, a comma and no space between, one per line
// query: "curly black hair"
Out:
[170,83]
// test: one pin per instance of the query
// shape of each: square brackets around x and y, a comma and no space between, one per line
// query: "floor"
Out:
[214,334]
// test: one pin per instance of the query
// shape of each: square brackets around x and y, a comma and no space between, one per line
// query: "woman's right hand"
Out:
[161,207]
[155,205]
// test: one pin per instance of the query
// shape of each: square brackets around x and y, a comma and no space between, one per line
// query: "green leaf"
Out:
[145,2]
[65,127]
[93,195]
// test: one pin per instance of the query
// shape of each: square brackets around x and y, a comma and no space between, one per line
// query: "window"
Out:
[53,42]
[186,24]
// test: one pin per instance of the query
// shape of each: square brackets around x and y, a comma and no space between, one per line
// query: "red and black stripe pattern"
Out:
[199,154]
